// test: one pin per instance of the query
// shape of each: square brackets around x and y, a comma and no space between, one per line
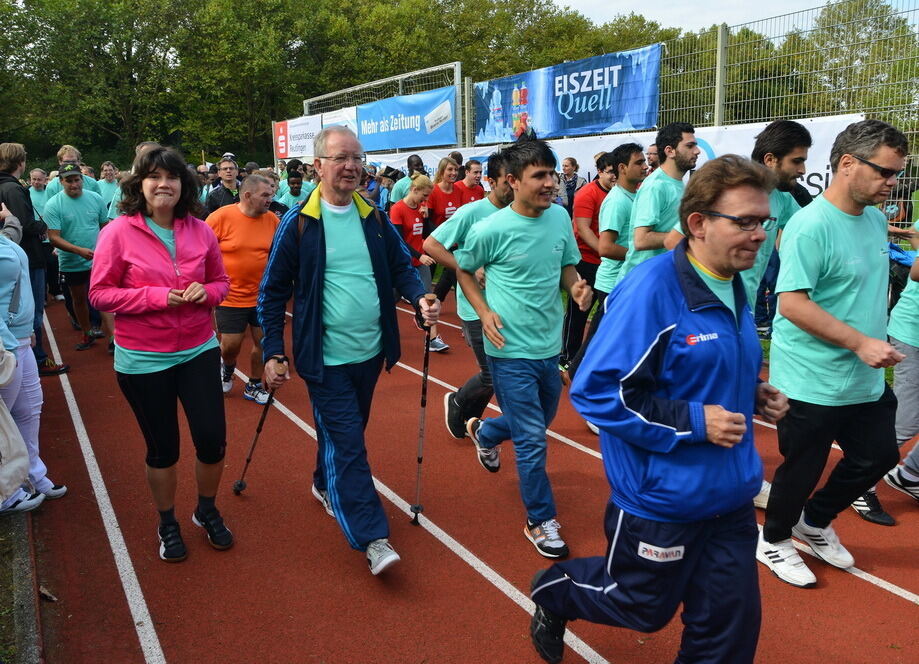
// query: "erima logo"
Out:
[658,554]
[693,339]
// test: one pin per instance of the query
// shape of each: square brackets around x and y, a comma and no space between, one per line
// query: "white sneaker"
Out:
[323,497]
[22,501]
[255,392]
[761,499]
[594,429]
[381,555]
[226,377]
[55,491]
[785,562]
[824,542]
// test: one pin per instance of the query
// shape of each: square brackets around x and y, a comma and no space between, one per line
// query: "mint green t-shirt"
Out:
[723,289]
[89,184]
[841,261]
[112,204]
[290,200]
[523,259]
[781,206]
[78,220]
[454,231]
[39,198]
[656,206]
[129,361]
[614,216]
[166,236]
[400,189]
[350,302]
[904,319]
[108,189]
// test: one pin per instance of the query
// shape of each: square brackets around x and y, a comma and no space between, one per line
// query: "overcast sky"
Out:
[688,15]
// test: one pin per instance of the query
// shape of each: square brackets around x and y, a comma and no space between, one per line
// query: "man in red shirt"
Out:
[586,215]
[470,187]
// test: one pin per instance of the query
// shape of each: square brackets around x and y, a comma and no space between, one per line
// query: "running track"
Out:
[292,591]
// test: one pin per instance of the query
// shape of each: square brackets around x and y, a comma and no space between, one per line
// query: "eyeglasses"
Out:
[339,159]
[885,173]
[227,168]
[745,223]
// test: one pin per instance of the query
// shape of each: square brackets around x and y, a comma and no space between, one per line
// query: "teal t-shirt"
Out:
[350,302]
[89,184]
[523,259]
[614,216]
[454,231]
[904,319]
[782,206]
[842,261]
[129,361]
[400,189]
[290,200]
[39,198]
[657,206]
[112,204]
[108,189]
[722,288]
[79,221]
[166,236]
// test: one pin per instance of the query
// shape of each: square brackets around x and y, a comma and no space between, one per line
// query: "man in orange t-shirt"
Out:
[244,232]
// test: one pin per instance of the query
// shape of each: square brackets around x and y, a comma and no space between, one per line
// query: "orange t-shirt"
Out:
[245,243]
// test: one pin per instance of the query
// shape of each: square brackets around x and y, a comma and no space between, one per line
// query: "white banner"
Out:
[713,141]
[294,138]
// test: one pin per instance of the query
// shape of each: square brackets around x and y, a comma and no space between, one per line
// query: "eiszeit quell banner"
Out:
[408,121]
[607,93]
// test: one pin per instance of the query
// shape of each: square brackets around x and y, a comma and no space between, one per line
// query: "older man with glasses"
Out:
[340,258]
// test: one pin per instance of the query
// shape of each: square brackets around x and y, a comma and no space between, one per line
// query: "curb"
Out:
[26,618]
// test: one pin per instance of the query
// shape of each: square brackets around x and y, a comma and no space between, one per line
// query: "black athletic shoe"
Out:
[172,548]
[454,418]
[547,630]
[218,535]
[86,341]
[870,509]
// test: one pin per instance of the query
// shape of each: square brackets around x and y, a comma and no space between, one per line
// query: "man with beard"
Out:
[656,208]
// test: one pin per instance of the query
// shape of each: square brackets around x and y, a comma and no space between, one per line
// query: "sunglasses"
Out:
[885,173]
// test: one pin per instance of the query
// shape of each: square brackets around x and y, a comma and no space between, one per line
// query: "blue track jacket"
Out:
[667,346]
[296,266]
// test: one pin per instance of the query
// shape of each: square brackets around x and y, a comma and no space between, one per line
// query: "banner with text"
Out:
[294,138]
[408,121]
[344,117]
[606,93]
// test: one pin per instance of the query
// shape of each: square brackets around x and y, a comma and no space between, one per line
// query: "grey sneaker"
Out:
[381,555]
[489,457]
[323,497]
[438,345]
[546,539]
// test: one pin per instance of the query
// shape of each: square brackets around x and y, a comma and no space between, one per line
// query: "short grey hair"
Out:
[323,137]
[863,139]
[252,182]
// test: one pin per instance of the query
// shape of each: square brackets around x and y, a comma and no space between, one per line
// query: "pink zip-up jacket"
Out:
[133,273]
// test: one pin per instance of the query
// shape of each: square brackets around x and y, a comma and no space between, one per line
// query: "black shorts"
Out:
[233,320]
[75,278]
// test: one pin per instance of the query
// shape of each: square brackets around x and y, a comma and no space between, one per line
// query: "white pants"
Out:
[23,397]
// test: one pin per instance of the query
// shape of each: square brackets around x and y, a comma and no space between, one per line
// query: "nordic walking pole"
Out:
[240,485]
[417,507]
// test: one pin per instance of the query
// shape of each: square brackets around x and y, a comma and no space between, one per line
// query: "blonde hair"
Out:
[442,167]
[421,181]
[68,148]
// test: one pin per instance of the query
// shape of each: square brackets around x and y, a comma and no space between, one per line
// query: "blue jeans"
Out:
[37,279]
[528,393]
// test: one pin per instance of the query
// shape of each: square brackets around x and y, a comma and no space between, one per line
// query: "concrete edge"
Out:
[26,615]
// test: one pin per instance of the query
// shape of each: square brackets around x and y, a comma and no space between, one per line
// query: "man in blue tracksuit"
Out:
[673,385]
[340,258]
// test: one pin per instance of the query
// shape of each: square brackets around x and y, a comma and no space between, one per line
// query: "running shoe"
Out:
[85,342]
[785,562]
[255,392]
[51,368]
[323,497]
[547,629]
[546,539]
[24,502]
[824,542]
[54,492]
[96,333]
[218,535]
[489,457]
[761,499]
[226,377]
[896,480]
[438,345]
[870,509]
[381,555]
[172,548]
[453,417]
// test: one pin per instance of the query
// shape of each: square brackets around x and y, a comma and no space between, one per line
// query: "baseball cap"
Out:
[69,168]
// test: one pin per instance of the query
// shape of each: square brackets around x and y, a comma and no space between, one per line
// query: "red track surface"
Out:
[291,590]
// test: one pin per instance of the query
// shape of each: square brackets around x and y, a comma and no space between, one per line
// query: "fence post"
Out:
[469,112]
[721,65]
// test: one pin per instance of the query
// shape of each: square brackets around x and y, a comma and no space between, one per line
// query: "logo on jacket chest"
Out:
[694,339]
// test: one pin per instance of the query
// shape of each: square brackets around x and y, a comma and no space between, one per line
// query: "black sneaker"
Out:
[86,341]
[869,508]
[454,418]
[218,535]
[172,548]
[547,630]
[896,480]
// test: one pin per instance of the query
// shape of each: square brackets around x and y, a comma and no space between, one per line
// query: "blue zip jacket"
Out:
[296,266]
[666,347]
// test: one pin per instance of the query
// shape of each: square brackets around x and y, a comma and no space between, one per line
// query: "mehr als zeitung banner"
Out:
[408,121]
[606,93]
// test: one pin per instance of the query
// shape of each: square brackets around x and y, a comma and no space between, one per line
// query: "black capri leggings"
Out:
[152,396]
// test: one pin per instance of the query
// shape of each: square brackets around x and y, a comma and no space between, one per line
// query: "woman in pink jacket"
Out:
[159,270]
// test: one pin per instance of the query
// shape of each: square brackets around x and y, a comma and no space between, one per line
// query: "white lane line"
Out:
[498,581]
[143,623]
[862,574]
